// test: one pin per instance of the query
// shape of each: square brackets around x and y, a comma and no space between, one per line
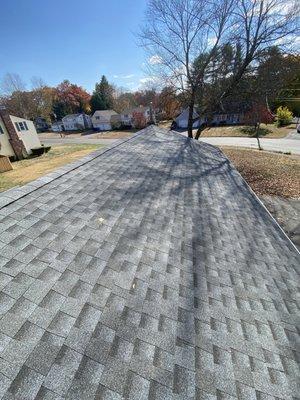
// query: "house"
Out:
[183,118]
[57,126]
[102,119]
[219,118]
[74,122]
[228,118]
[18,136]
[127,117]
[41,124]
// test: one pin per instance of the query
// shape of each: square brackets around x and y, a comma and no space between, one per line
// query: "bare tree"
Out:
[259,25]
[14,89]
[12,83]
[37,83]
[177,32]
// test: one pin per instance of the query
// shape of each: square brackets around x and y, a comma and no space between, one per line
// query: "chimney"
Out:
[15,141]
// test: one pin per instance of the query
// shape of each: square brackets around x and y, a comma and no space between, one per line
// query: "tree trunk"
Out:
[199,131]
[257,136]
[190,119]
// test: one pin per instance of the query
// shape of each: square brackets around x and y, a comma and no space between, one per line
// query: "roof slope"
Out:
[149,272]
[105,113]
[185,114]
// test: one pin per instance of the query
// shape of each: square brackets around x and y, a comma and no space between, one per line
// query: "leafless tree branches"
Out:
[177,32]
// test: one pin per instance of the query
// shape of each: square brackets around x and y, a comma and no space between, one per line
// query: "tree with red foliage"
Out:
[258,114]
[139,120]
[70,99]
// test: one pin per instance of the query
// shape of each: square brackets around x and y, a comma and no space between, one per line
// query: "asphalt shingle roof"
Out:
[150,272]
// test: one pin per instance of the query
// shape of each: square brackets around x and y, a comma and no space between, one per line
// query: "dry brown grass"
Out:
[268,131]
[267,173]
[88,135]
[28,170]
[114,134]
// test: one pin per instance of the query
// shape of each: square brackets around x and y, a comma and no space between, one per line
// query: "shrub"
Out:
[252,131]
[283,116]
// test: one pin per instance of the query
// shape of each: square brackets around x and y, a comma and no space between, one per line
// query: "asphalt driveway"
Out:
[148,270]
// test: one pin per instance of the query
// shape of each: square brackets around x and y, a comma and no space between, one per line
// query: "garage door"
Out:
[104,127]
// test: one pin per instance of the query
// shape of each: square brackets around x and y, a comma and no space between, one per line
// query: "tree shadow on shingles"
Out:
[203,161]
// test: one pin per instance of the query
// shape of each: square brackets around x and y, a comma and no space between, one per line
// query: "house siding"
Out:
[6,148]
[29,137]
[76,122]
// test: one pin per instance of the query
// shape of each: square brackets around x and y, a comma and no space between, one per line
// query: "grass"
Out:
[267,131]
[115,134]
[267,173]
[28,170]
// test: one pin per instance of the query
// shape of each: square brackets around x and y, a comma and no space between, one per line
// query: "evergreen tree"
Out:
[102,97]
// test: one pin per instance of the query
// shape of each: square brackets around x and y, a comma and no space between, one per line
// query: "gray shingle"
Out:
[148,272]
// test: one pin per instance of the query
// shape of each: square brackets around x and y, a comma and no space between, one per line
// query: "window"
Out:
[97,117]
[1,130]
[21,125]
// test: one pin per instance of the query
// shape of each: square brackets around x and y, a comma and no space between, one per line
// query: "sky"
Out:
[73,39]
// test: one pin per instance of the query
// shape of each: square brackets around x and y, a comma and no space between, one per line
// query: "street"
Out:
[289,144]
[284,145]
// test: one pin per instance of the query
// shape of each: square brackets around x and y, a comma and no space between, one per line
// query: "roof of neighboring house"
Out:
[135,109]
[104,115]
[155,273]
[69,116]
[185,114]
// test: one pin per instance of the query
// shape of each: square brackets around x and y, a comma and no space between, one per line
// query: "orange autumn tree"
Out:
[70,99]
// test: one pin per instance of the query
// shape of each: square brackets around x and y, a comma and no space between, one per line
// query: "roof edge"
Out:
[261,204]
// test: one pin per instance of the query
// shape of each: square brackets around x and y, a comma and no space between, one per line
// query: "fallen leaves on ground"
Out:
[267,173]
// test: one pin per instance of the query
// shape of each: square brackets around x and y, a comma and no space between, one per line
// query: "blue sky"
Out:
[72,39]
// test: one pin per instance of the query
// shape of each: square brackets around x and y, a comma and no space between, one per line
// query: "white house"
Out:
[18,136]
[102,119]
[74,122]
[57,126]
[127,117]
[183,118]
[228,118]
[218,119]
